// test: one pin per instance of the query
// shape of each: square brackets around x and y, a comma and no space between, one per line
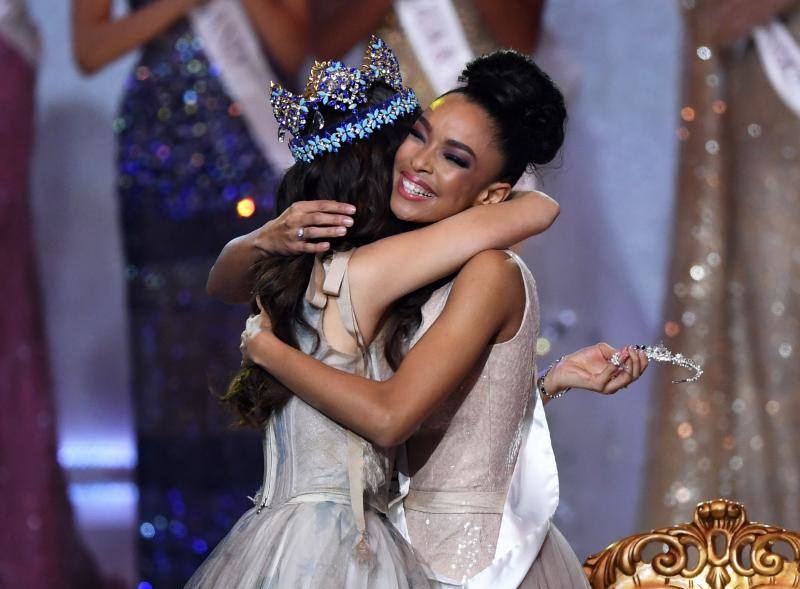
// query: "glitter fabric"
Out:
[467,450]
[184,161]
[39,541]
[734,300]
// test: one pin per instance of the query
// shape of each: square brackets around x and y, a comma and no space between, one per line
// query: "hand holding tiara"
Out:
[661,353]
[591,369]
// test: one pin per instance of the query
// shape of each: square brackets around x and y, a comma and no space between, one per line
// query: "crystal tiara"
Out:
[335,85]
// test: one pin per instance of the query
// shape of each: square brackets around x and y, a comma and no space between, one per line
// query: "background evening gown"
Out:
[734,292]
[301,534]
[184,159]
[39,541]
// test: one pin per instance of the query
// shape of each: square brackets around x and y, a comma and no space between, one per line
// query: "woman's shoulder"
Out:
[496,273]
[494,264]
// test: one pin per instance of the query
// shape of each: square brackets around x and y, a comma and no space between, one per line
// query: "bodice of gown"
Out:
[464,455]
[305,452]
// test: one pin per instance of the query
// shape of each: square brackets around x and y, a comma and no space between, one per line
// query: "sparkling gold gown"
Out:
[734,299]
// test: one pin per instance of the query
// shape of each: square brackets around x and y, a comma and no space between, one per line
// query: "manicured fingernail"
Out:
[348,221]
[341,230]
[326,245]
[351,209]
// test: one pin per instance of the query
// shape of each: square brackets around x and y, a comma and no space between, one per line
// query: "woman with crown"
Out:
[484,483]
[317,519]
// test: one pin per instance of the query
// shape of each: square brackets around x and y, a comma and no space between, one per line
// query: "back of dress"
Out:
[316,520]
[463,458]
[305,452]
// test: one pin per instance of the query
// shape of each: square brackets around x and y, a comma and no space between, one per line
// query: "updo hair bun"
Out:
[525,104]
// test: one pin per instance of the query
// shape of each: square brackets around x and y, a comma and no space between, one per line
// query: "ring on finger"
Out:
[301,233]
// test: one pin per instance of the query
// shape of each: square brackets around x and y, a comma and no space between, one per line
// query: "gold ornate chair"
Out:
[720,549]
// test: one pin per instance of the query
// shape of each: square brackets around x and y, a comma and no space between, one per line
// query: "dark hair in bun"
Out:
[524,103]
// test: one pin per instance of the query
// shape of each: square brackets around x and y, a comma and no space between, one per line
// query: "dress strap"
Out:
[330,279]
[337,284]
[348,317]
[314,295]
[327,281]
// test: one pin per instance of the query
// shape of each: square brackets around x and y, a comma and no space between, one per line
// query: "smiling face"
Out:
[448,163]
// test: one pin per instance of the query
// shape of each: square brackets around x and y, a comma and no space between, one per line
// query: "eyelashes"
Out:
[416,134]
[456,160]
[453,159]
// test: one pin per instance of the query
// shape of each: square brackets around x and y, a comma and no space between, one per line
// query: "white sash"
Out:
[17,29]
[435,34]
[531,502]
[529,506]
[780,56]
[231,43]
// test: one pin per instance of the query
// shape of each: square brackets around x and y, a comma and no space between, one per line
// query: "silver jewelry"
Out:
[301,232]
[661,353]
[540,383]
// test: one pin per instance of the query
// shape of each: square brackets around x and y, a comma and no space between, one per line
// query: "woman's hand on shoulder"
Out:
[591,369]
[298,229]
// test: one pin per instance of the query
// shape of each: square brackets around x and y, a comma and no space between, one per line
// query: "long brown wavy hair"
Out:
[360,173]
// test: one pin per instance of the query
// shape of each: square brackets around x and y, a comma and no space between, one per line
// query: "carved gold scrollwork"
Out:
[722,539]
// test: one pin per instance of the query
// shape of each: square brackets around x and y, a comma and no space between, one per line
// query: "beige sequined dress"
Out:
[462,460]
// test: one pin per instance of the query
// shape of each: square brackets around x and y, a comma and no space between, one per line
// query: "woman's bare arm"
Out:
[333,35]
[386,270]
[485,301]
[231,278]
[516,24]
[486,292]
[723,22]
[98,39]
[282,26]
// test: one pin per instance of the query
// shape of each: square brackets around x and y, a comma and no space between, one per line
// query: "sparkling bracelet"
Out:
[661,353]
[540,383]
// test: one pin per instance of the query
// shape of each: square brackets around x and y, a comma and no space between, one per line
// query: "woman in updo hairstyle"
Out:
[463,398]
[318,520]
[523,102]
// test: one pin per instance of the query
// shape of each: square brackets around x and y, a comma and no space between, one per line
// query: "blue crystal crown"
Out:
[335,85]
